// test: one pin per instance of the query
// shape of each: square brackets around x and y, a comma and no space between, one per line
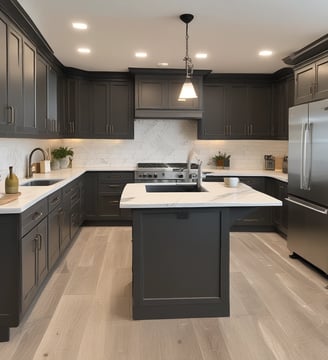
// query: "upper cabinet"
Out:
[46,99]
[311,81]
[282,100]
[236,110]
[157,92]
[99,109]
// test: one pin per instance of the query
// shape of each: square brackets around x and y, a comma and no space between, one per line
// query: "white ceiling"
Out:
[230,31]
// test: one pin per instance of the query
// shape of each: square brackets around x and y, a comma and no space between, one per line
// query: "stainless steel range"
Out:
[166,172]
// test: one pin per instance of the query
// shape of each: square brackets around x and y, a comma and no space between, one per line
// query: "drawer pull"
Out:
[114,202]
[113,186]
[37,215]
[56,199]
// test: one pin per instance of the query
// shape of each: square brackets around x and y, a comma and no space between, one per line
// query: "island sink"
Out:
[173,188]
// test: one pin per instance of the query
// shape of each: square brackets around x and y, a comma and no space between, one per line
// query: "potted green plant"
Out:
[221,160]
[63,155]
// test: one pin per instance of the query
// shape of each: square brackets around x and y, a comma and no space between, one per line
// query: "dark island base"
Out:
[181,262]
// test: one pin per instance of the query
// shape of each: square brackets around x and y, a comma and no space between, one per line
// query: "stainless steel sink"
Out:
[173,188]
[41,182]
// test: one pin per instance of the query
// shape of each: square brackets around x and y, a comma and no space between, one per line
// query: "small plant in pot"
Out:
[221,160]
[63,156]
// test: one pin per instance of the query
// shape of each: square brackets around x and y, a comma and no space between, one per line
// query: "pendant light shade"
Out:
[188,90]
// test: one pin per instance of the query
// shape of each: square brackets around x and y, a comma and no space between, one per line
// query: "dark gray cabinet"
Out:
[283,99]
[103,193]
[311,81]
[112,110]
[156,96]
[236,111]
[34,262]
[15,77]
[78,116]
[5,122]
[279,190]
[55,227]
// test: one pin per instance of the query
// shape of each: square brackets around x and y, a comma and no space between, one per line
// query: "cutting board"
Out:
[6,198]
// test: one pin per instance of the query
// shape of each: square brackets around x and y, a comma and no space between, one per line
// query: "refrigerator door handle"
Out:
[306,159]
[308,205]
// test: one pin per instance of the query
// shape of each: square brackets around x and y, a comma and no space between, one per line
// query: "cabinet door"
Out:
[121,118]
[304,84]
[15,77]
[213,124]
[321,88]
[259,102]
[151,94]
[54,235]
[28,121]
[237,110]
[5,127]
[34,262]
[41,95]
[52,102]
[84,121]
[100,110]
[71,107]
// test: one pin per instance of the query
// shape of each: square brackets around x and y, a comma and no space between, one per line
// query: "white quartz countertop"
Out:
[215,194]
[32,194]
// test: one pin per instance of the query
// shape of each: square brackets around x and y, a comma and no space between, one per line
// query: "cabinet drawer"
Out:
[109,205]
[33,215]
[54,200]
[257,183]
[111,188]
[116,177]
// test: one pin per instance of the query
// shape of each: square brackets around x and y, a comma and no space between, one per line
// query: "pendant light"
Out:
[187,91]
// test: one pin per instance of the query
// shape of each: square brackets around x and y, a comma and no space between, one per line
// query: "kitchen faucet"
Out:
[29,165]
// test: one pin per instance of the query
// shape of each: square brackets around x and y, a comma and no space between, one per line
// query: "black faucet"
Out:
[29,165]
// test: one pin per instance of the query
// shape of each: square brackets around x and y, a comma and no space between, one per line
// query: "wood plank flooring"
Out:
[279,309]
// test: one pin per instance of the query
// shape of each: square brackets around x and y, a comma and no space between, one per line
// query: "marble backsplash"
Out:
[155,141]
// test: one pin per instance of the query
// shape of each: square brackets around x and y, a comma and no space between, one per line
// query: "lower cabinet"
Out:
[263,218]
[103,193]
[279,190]
[34,262]
[30,246]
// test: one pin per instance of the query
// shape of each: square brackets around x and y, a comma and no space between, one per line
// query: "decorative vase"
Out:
[64,162]
[220,163]
[11,182]
[54,164]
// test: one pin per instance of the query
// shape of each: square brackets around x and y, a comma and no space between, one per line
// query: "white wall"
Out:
[14,152]
[155,140]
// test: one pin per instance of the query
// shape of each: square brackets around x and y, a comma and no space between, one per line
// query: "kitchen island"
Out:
[181,246]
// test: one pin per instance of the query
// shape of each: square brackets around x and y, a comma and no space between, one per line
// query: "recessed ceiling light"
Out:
[141,54]
[163,64]
[79,25]
[84,50]
[265,53]
[201,55]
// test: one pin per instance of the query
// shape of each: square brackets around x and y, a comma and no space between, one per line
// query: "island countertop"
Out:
[215,194]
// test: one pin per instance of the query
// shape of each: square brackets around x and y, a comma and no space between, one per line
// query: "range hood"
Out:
[157,92]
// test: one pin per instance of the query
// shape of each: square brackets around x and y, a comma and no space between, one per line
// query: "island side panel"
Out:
[180,263]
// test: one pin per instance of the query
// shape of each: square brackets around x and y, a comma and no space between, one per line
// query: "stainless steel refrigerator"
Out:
[308,182]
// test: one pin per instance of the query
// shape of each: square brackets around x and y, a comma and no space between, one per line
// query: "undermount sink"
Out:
[41,182]
[173,188]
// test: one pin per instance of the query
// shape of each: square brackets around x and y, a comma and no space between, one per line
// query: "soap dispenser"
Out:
[11,182]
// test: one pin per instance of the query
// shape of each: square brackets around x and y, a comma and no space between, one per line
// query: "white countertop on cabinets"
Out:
[214,194]
[32,194]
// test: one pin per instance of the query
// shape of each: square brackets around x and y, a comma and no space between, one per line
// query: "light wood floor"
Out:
[279,309]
